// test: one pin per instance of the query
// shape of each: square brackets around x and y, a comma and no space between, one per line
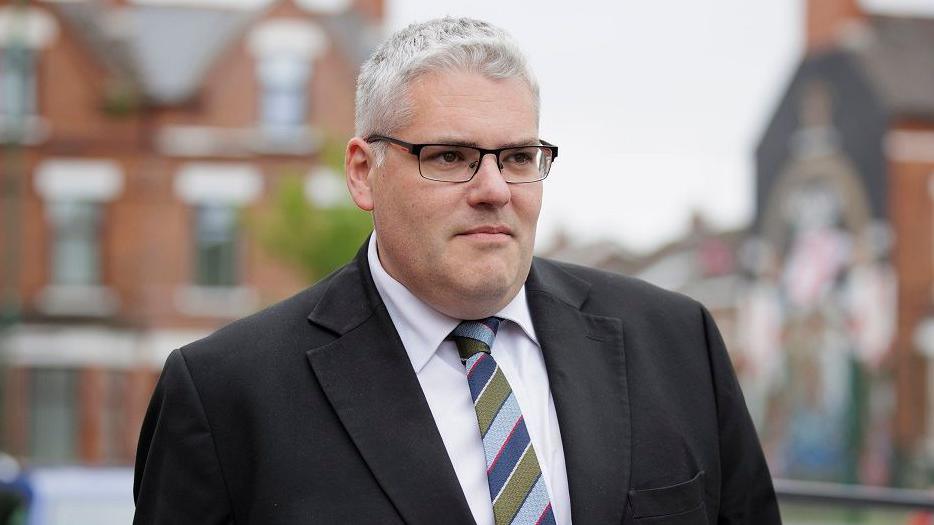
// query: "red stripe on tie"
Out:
[502,448]
[544,512]
[475,363]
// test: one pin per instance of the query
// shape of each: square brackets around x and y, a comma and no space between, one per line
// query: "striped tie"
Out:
[517,487]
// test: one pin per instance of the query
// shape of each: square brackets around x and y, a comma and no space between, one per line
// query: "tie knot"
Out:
[475,336]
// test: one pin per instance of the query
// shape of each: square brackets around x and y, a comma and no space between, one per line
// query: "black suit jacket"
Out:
[310,412]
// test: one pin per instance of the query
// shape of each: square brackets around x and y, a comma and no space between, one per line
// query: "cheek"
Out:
[528,205]
[416,222]
[395,205]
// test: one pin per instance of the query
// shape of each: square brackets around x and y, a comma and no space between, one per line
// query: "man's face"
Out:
[464,248]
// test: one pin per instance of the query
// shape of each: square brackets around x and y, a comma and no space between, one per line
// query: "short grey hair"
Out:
[442,44]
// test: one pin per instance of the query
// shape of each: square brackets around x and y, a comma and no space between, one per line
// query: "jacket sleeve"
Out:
[746,492]
[178,476]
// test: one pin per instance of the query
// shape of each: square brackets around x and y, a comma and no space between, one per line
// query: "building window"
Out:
[284,84]
[215,245]
[53,415]
[17,82]
[76,242]
[216,192]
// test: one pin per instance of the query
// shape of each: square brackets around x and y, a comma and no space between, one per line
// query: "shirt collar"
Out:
[421,327]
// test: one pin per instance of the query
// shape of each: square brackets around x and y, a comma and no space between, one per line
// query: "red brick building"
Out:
[845,174]
[136,138]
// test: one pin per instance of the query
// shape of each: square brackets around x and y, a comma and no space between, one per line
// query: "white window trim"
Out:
[70,346]
[910,146]
[78,300]
[206,141]
[327,7]
[97,180]
[223,302]
[218,183]
[287,36]
[29,25]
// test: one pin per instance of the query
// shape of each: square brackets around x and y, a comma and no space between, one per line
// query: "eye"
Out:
[520,157]
[450,156]
[445,157]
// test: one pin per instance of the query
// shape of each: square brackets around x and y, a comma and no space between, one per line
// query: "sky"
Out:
[656,106]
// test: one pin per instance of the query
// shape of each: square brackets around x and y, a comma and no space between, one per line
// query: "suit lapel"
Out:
[369,381]
[587,374]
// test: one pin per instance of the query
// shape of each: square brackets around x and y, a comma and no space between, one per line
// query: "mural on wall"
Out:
[819,314]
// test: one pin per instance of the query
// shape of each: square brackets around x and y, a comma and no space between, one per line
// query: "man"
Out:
[445,375]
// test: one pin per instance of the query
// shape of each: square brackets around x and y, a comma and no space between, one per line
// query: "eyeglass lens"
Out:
[460,163]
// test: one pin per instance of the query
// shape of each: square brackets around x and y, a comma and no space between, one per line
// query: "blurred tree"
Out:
[314,227]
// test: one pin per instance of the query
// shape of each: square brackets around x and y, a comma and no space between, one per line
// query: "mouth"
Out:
[487,232]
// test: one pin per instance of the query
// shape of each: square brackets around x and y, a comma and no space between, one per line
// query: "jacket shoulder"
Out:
[611,291]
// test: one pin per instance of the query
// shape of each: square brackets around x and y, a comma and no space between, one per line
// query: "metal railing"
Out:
[852,496]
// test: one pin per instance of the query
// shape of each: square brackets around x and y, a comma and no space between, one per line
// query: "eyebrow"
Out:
[450,141]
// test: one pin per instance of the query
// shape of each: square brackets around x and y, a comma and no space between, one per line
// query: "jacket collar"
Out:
[370,382]
[349,299]
[586,366]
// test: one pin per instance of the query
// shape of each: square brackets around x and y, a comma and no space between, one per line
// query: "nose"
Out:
[488,187]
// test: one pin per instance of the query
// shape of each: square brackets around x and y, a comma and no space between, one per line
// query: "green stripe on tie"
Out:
[522,482]
[468,347]
[517,487]
[491,399]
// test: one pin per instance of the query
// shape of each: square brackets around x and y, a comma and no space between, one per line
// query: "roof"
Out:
[897,56]
[605,255]
[701,250]
[172,48]
[702,264]
[167,50]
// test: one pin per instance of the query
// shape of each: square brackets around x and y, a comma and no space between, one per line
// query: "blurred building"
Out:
[827,300]
[136,139]
[703,264]
[843,274]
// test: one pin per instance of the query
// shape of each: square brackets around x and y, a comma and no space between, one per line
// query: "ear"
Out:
[358,166]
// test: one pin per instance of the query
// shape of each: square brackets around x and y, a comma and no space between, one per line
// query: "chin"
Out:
[473,294]
[487,286]
[482,277]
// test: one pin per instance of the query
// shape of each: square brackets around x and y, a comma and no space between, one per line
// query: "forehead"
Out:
[471,106]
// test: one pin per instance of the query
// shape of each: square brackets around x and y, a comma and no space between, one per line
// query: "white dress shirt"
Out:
[443,379]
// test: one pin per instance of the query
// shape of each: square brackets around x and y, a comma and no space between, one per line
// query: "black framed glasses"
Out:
[458,163]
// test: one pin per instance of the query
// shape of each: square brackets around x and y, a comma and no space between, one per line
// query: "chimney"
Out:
[372,10]
[829,21]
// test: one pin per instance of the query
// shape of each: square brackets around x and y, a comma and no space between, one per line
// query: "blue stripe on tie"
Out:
[548,518]
[507,461]
[534,504]
[481,374]
[501,426]
[484,331]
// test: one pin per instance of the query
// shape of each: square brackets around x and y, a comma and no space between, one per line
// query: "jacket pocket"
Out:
[671,505]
